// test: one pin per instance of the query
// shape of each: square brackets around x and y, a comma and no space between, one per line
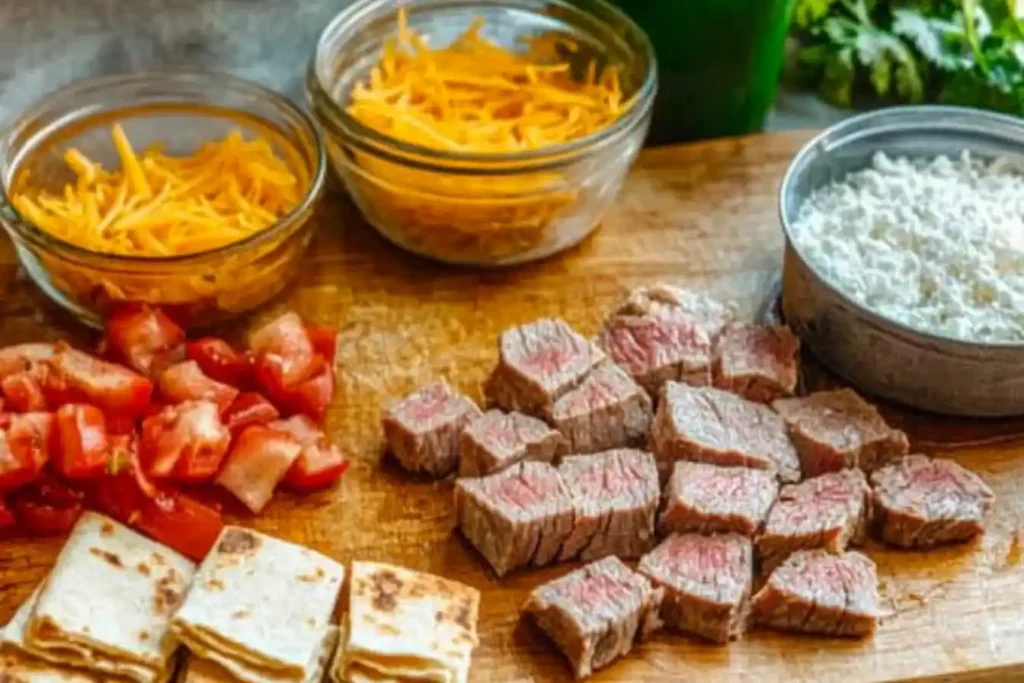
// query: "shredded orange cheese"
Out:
[161,205]
[475,96]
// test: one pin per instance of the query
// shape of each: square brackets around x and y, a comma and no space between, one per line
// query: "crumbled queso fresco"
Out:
[935,244]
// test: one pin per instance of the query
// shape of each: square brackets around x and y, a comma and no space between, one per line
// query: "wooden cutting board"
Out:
[702,215]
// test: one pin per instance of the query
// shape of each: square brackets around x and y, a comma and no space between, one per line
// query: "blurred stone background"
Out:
[46,43]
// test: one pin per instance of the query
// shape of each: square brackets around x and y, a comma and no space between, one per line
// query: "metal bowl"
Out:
[875,354]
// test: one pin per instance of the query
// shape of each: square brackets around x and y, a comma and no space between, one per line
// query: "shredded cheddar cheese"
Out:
[475,96]
[161,205]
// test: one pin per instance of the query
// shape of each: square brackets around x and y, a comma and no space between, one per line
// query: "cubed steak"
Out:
[615,500]
[538,363]
[708,499]
[498,440]
[422,429]
[758,362]
[607,410]
[517,517]
[707,582]
[703,424]
[830,511]
[664,333]
[815,591]
[833,430]
[921,502]
[596,613]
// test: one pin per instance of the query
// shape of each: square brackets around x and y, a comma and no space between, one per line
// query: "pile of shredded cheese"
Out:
[160,205]
[475,96]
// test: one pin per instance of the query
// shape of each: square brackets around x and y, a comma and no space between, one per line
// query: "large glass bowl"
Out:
[482,209]
[180,111]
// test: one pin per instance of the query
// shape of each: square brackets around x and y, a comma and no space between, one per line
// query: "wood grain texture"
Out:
[702,216]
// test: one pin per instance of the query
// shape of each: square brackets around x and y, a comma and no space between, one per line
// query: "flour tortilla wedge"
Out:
[407,625]
[107,604]
[18,667]
[199,670]
[259,607]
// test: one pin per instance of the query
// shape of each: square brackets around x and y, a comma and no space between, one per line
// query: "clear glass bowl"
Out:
[181,111]
[482,209]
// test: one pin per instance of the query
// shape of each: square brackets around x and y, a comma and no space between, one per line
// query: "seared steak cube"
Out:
[707,582]
[615,499]
[921,502]
[830,512]
[665,333]
[816,591]
[517,517]
[833,430]
[595,613]
[422,429]
[703,424]
[608,410]
[538,363]
[498,440]
[707,499]
[758,362]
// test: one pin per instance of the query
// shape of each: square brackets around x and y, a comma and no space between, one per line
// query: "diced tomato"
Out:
[312,396]
[320,464]
[122,492]
[187,441]
[250,408]
[48,506]
[76,376]
[180,522]
[143,336]
[256,464]
[185,381]
[283,352]
[23,357]
[219,361]
[120,424]
[25,447]
[81,449]
[7,519]
[22,392]
[325,341]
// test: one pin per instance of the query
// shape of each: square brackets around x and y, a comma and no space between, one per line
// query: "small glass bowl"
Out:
[180,111]
[482,209]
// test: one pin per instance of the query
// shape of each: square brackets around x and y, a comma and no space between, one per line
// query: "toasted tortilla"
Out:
[107,604]
[199,670]
[407,625]
[18,667]
[260,607]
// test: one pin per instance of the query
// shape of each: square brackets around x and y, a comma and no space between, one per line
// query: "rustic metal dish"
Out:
[875,354]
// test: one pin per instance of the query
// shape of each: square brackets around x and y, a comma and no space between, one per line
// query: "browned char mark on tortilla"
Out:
[238,541]
[167,593]
[113,559]
[385,587]
[107,529]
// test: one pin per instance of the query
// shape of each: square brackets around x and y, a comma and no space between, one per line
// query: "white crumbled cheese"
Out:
[935,244]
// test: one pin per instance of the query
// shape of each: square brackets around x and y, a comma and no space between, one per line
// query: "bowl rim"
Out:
[338,119]
[861,123]
[26,229]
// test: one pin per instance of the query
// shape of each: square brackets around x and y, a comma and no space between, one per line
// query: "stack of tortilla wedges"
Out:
[103,613]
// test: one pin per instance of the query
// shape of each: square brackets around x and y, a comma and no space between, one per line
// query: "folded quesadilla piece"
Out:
[107,604]
[16,666]
[199,670]
[408,626]
[259,607]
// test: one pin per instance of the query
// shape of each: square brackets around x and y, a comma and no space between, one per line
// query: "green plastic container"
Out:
[718,63]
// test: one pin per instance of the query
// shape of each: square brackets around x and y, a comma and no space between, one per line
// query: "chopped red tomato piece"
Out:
[219,361]
[143,337]
[23,357]
[180,522]
[24,449]
[22,392]
[76,376]
[120,424]
[250,408]
[312,396]
[80,434]
[48,506]
[258,461]
[185,381]
[122,492]
[320,464]
[187,441]
[283,352]
[7,519]
[325,341]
